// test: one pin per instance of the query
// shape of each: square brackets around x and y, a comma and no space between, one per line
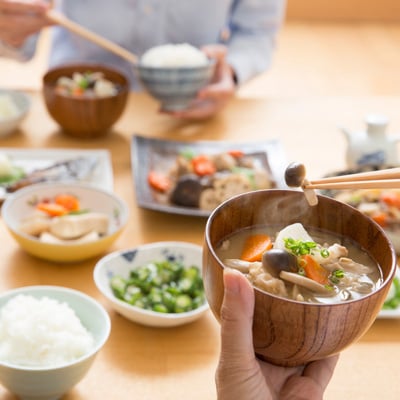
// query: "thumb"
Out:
[237,317]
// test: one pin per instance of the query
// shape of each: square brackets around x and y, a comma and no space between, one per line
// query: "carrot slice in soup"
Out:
[255,246]
[314,270]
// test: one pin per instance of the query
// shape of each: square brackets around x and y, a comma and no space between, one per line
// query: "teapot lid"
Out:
[376,123]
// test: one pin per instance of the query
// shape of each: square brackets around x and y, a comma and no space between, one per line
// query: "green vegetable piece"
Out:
[118,285]
[155,296]
[187,153]
[183,303]
[132,294]
[169,301]
[160,308]
[394,301]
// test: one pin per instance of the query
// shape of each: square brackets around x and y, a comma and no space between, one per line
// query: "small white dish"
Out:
[22,103]
[120,263]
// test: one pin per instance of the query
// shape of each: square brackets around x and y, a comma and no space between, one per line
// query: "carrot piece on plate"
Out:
[158,181]
[52,209]
[68,201]
[202,165]
[255,246]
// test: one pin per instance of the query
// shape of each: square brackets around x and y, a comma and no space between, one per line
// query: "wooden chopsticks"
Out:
[60,19]
[382,179]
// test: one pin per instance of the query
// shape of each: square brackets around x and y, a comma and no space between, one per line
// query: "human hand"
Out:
[212,98]
[240,375]
[20,19]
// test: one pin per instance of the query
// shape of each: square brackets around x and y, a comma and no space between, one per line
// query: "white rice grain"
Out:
[41,332]
[174,55]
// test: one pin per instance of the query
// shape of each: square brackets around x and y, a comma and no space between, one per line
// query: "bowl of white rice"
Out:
[174,73]
[14,106]
[49,338]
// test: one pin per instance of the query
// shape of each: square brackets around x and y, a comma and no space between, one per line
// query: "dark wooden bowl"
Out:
[287,332]
[85,117]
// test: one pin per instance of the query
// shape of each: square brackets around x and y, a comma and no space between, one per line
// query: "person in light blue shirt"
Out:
[245,31]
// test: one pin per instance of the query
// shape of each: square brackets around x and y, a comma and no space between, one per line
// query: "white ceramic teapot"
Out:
[373,146]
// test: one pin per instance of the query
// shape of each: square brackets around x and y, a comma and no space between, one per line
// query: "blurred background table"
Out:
[179,363]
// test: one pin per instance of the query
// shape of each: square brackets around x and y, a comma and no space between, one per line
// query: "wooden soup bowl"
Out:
[83,117]
[288,332]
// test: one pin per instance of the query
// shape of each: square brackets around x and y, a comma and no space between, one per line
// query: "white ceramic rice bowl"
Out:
[47,383]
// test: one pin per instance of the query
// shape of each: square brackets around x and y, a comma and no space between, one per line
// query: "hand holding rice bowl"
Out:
[173,74]
[69,339]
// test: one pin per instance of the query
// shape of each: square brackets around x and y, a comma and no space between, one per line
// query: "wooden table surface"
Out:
[179,363]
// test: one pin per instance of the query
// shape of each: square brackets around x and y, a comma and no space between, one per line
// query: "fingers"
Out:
[20,19]
[237,317]
[25,7]
[321,371]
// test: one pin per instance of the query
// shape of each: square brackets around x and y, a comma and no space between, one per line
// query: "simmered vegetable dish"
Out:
[206,180]
[383,206]
[166,287]
[61,220]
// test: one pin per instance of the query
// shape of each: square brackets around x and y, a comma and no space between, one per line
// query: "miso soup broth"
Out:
[303,264]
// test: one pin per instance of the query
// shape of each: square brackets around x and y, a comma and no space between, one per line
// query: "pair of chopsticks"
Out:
[383,179]
[60,19]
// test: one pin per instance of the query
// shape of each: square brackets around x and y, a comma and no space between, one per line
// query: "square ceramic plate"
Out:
[29,160]
[391,313]
[156,154]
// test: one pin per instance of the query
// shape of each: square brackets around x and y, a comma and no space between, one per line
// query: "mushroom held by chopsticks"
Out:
[295,176]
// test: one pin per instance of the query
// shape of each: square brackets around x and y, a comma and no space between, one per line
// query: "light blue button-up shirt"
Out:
[247,27]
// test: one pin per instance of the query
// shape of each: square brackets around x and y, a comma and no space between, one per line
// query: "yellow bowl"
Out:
[21,204]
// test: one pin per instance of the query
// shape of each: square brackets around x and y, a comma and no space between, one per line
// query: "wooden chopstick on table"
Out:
[60,19]
[382,179]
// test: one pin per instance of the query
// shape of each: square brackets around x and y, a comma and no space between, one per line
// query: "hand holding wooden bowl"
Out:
[289,332]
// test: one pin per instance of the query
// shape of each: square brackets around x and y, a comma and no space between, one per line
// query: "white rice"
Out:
[174,55]
[8,109]
[41,332]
